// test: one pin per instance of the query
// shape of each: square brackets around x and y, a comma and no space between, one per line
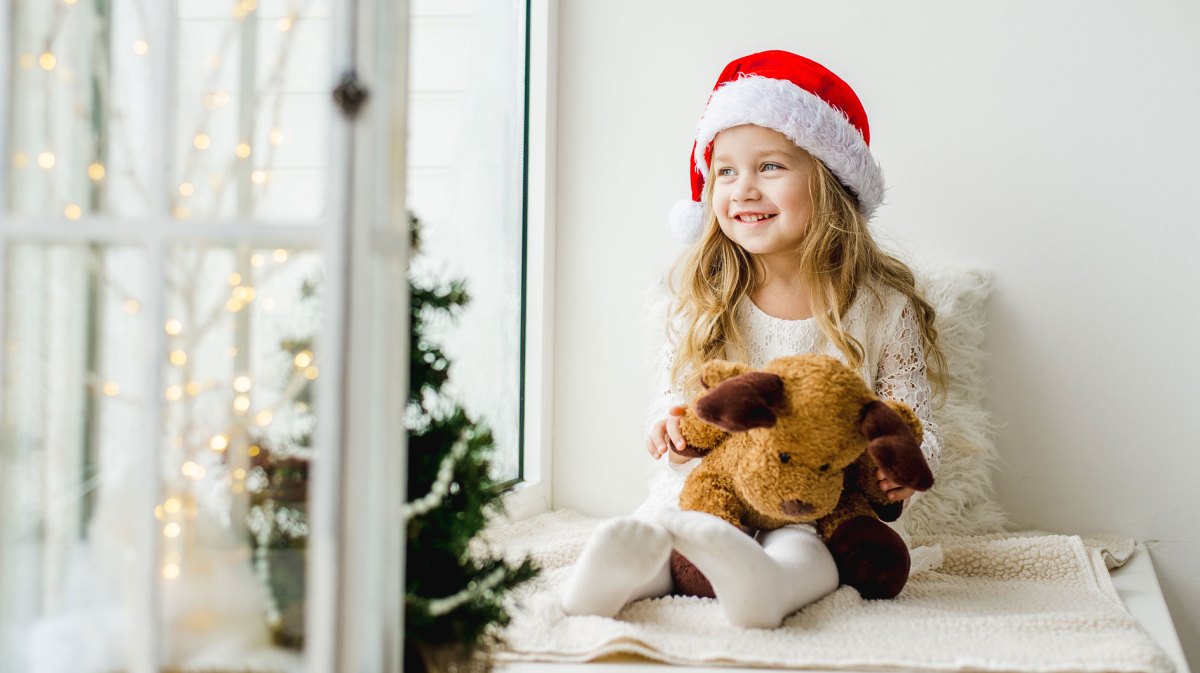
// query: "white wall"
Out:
[1053,143]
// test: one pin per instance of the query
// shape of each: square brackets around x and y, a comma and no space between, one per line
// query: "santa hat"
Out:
[801,99]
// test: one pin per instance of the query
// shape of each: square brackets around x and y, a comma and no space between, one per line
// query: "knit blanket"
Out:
[1008,602]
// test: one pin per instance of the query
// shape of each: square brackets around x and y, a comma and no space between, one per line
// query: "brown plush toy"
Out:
[797,442]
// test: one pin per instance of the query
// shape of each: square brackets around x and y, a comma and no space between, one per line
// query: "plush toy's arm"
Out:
[710,490]
[700,437]
[895,443]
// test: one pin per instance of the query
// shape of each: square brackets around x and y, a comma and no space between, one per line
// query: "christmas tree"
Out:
[455,590]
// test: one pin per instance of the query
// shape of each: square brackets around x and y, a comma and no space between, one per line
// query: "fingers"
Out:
[656,443]
[891,489]
[677,411]
[675,433]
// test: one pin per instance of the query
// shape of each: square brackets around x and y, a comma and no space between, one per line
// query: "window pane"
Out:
[239,424]
[238,419]
[74,392]
[250,124]
[465,184]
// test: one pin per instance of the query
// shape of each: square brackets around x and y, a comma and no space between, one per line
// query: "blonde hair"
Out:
[838,257]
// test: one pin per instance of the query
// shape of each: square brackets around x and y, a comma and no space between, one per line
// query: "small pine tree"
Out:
[454,591]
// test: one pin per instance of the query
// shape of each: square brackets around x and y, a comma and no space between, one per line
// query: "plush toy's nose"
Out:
[797,508]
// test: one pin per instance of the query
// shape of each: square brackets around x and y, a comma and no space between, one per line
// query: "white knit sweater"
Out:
[893,366]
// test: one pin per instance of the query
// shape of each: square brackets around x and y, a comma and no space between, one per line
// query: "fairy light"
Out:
[181,213]
[256,260]
[95,171]
[254,450]
[233,305]
[280,255]
[186,189]
[46,160]
[47,61]
[20,160]
[275,137]
[173,327]
[191,470]
[192,388]
[171,529]
[303,359]
[172,506]
[131,306]
[258,177]
[242,150]
[235,279]
[239,474]
[178,358]
[239,12]
[111,389]
[73,211]
[219,442]
[241,384]
[249,5]
[171,571]
[311,373]
[159,513]
[201,141]
[241,404]
[285,24]
[174,393]
[263,417]
[140,47]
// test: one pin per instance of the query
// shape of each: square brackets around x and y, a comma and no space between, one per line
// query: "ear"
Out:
[716,371]
[743,402]
[894,446]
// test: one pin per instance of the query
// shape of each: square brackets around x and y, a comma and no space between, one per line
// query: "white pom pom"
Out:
[686,221]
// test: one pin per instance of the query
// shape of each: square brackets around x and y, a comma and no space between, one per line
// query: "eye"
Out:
[824,468]
[771,167]
[785,457]
[724,172]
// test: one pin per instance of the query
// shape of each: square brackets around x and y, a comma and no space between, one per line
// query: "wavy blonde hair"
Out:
[838,258]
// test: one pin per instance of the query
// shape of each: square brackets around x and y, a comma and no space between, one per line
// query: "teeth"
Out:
[752,218]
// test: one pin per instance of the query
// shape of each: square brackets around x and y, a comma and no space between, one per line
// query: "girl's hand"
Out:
[667,430]
[894,491]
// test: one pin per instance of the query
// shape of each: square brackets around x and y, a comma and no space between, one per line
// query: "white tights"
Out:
[757,582]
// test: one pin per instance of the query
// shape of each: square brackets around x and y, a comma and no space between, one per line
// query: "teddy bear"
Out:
[799,442]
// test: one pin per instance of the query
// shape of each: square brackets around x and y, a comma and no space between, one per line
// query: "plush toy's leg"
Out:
[871,557]
[757,586]
[623,561]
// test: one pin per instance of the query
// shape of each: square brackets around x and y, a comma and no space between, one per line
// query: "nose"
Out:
[746,188]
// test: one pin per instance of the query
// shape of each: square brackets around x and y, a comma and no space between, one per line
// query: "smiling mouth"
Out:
[754,218]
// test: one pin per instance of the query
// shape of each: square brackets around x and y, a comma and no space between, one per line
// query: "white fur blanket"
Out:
[1020,602]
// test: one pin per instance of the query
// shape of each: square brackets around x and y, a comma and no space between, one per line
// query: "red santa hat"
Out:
[801,99]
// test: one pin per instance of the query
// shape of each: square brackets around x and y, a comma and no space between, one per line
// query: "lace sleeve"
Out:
[902,376]
[666,393]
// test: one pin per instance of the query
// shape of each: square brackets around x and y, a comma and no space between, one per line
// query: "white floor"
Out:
[1136,583]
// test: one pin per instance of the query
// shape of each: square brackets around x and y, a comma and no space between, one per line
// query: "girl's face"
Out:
[760,191]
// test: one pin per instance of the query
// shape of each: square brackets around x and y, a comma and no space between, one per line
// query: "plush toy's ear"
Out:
[716,371]
[744,402]
[894,446]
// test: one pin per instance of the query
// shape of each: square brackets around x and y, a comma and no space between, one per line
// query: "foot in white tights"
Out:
[758,583]
[624,560]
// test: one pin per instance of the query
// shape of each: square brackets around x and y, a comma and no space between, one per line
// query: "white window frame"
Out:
[354,607]
[534,494]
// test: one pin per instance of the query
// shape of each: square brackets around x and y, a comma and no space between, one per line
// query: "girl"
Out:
[781,261]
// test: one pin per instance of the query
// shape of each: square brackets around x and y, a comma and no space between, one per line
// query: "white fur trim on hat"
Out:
[686,221]
[806,120]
